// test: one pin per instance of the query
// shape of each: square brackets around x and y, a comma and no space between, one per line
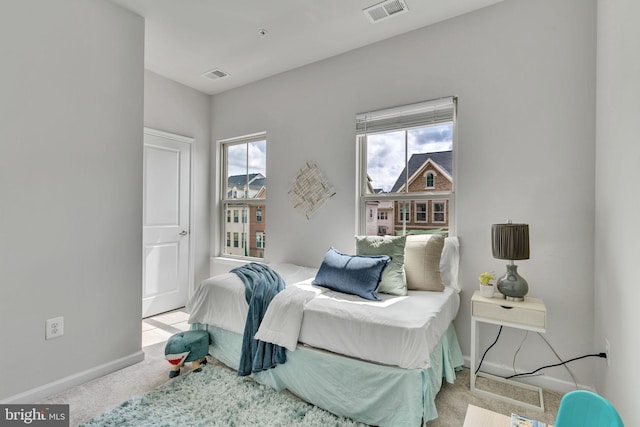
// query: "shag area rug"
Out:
[216,396]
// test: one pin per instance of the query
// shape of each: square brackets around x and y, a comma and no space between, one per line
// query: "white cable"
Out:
[560,359]
[513,363]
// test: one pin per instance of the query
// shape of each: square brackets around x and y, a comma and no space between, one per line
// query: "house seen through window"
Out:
[407,163]
[244,193]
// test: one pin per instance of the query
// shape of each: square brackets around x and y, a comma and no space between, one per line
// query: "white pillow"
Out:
[449,263]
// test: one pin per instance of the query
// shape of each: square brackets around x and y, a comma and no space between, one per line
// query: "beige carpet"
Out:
[100,395]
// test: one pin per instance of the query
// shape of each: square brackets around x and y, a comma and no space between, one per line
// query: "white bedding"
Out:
[220,300]
[397,331]
[282,321]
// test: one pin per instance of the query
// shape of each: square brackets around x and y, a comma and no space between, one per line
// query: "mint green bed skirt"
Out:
[374,394]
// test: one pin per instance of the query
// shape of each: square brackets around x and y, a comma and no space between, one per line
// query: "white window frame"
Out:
[233,199]
[425,212]
[426,180]
[405,211]
[433,211]
[409,116]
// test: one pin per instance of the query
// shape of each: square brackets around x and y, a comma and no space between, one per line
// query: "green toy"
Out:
[189,346]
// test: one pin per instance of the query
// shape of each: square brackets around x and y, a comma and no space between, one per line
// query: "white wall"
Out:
[178,109]
[70,191]
[617,203]
[524,73]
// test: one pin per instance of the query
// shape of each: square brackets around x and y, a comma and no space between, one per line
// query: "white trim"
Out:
[42,392]
[167,135]
[426,210]
[244,138]
[433,211]
[426,180]
[220,180]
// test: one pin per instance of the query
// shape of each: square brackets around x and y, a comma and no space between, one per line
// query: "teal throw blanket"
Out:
[261,285]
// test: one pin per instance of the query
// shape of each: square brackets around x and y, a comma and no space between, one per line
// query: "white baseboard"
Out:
[42,392]
[544,381]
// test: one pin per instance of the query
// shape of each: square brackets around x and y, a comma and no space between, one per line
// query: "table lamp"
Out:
[511,241]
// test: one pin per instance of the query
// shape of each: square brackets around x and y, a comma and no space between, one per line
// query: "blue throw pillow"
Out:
[352,274]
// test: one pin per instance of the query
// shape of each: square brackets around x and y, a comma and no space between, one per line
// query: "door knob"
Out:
[184,233]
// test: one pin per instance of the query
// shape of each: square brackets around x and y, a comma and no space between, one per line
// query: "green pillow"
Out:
[393,279]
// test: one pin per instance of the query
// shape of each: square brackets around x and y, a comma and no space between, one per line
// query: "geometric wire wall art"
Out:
[310,190]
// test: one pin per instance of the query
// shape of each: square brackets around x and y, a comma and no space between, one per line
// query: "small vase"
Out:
[487,290]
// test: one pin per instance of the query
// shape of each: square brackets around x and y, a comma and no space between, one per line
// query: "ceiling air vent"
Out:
[215,74]
[386,9]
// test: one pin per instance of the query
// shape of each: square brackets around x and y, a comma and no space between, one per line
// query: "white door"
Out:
[166,232]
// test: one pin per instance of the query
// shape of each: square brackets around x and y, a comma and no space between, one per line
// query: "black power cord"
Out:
[604,355]
[487,350]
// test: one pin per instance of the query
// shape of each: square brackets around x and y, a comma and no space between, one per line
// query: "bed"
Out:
[380,362]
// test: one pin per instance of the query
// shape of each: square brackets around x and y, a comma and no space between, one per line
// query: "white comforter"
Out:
[283,320]
[398,331]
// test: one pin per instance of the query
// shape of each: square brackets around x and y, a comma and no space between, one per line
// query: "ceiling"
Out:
[186,38]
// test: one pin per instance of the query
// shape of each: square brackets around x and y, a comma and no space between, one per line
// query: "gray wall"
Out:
[617,203]
[70,190]
[71,169]
[524,72]
[178,109]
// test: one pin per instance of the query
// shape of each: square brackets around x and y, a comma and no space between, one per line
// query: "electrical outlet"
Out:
[55,328]
[607,350]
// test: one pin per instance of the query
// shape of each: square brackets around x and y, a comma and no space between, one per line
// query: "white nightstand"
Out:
[530,314]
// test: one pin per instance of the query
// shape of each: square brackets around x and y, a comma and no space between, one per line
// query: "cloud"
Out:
[433,134]
[386,153]
[239,163]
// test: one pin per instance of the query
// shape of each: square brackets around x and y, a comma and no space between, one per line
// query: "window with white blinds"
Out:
[406,168]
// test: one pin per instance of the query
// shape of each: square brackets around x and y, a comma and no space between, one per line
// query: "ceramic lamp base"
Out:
[512,285]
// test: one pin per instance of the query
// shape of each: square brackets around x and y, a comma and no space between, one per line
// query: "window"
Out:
[405,212]
[401,151]
[259,239]
[421,211]
[429,183]
[439,211]
[244,190]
